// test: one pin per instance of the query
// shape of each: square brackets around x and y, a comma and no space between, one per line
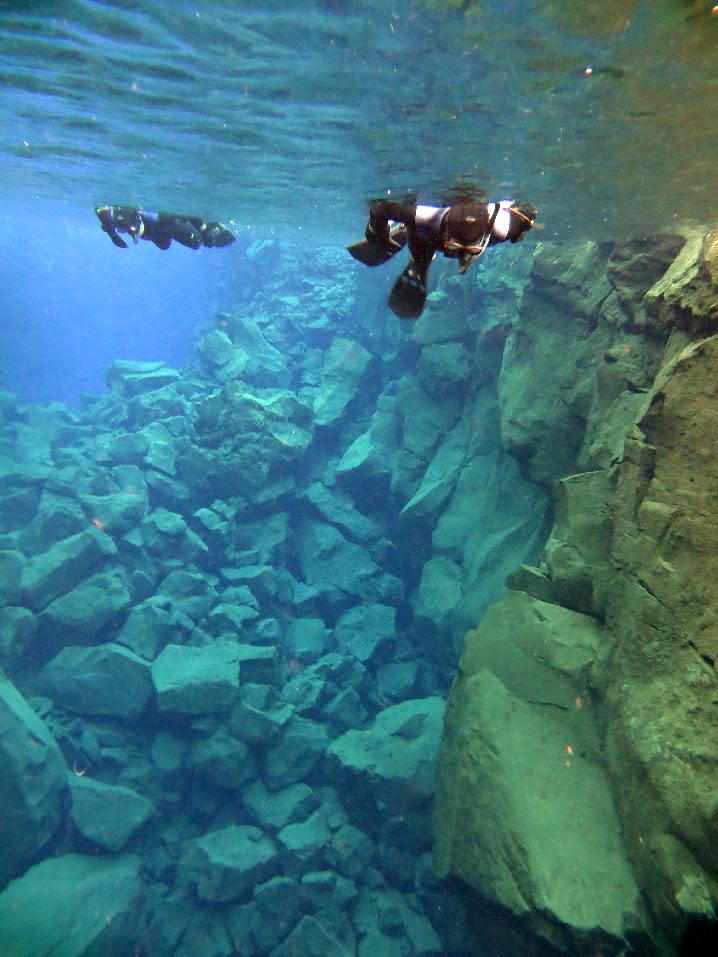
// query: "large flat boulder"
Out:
[72,906]
[345,365]
[520,777]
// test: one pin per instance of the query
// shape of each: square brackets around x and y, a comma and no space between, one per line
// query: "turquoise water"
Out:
[280,114]
[246,514]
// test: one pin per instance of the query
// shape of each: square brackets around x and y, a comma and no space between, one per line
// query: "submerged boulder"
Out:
[520,776]
[73,905]
[391,765]
[196,680]
[107,814]
[99,680]
[33,784]
[226,865]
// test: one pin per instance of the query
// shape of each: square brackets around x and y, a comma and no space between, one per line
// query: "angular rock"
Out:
[11,565]
[344,368]
[223,760]
[128,377]
[337,507]
[73,905]
[63,566]
[274,810]
[99,680]
[259,715]
[18,628]
[33,783]
[367,631]
[196,680]
[521,729]
[225,865]
[107,814]
[336,567]
[443,367]
[279,907]
[392,764]
[83,614]
[320,934]
[439,591]
[303,844]
[296,754]
[147,628]
[305,639]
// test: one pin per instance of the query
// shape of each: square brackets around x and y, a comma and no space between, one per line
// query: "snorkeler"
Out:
[462,231]
[160,228]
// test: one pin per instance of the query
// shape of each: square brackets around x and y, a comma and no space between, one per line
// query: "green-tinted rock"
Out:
[225,865]
[63,566]
[11,566]
[128,377]
[73,906]
[33,784]
[394,761]
[107,814]
[520,775]
[274,810]
[18,627]
[101,680]
[82,614]
[367,631]
[439,591]
[296,754]
[223,760]
[196,680]
[344,368]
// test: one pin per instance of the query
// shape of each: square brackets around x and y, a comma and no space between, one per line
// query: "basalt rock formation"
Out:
[578,783]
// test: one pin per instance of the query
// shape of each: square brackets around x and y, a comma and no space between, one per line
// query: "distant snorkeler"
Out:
[460,231]
[160,228]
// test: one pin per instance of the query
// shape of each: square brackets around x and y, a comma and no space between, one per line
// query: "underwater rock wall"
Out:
[577,785]
[230,603]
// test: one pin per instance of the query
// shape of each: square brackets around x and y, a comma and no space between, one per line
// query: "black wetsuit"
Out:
[161,228]
[462,232]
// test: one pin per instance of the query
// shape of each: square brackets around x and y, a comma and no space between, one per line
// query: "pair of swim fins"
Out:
[409,292]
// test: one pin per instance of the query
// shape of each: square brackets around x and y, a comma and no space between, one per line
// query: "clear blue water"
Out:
[284,119]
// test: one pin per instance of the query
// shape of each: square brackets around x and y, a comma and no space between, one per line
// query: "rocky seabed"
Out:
[233,599]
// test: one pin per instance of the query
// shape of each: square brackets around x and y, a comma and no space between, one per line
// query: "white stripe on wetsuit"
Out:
[502,223]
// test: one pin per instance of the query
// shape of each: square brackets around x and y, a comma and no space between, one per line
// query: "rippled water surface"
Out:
[602,114]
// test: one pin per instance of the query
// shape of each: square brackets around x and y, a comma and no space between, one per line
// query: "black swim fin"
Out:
[409,293]
[375,254]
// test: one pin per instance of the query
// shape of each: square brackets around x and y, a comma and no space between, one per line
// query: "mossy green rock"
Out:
[524,812]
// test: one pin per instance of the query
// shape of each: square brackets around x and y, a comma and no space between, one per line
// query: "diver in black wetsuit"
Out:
[160,228]
[462,231]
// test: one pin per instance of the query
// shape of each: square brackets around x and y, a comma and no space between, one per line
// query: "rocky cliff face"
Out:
[578,783]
